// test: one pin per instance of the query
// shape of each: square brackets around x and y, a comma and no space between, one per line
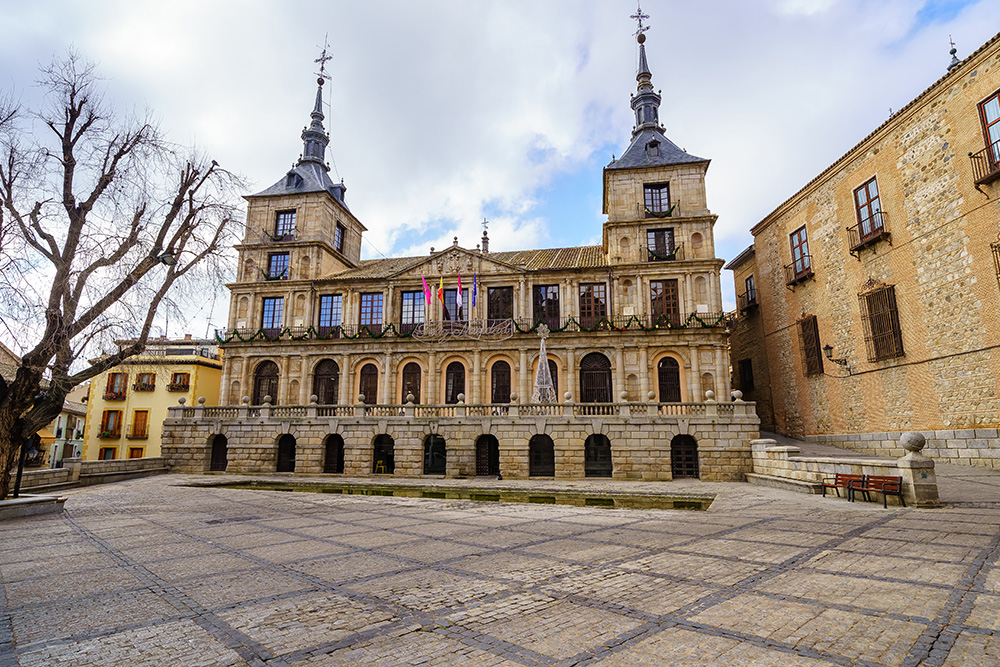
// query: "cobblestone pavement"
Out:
[149,572]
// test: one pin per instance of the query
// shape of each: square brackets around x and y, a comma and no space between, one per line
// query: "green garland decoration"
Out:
[634,323]
[269,277]
[276,239]
[672,255]
[669,213]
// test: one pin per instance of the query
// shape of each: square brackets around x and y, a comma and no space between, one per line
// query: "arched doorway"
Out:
[541,456]
[669,373]
[368,386]
[326,382]
[435,455]
[500,382]
[595,379]
[684,457]
[220,454]
[487,455]
[597,456]
[454,382]
[411,381]
[265,383]
[383,461]
[333,455]
[286,453]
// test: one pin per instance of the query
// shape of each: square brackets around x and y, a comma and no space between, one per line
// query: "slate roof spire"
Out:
[314,138]
[955,62]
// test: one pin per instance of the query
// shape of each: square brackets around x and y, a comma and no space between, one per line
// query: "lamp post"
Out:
[828,351]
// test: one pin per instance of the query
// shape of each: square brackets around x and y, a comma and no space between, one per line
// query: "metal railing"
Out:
[798,270]
[868,232]
[675,253]
[673,210]
[747,300]
[986,164]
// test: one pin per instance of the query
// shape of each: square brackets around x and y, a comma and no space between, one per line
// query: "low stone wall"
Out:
[76,472]
[979,447]
[640,437]
[784,462]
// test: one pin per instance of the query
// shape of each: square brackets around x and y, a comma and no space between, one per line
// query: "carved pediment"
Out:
[455,261]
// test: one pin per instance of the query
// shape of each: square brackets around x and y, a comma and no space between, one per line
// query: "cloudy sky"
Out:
[442,112]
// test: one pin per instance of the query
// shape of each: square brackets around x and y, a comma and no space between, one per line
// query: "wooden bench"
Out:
[886,485]
[842,481]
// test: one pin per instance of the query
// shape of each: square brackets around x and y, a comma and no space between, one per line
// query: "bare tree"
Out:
[102,224]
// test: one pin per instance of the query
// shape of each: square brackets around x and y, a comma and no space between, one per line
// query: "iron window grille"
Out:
[880,319]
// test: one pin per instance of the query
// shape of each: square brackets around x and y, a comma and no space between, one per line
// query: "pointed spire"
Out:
[954,59]
[646,102]
[314,137]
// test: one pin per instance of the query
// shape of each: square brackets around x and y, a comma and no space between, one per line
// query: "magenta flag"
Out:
[427,290]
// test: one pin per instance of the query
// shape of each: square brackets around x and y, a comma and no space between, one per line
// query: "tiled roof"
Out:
[532,260]
[637,155]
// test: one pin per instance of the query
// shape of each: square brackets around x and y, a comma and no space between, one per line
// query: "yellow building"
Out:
[127,404]
[869,303]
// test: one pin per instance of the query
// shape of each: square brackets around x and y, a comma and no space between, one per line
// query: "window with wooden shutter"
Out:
[880,318]
[593,304]
[812,355]
[664,302]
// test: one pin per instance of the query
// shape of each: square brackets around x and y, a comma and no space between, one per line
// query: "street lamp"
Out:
[167,259]
[828,351]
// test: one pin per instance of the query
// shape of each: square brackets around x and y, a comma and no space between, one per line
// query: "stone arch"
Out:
[234,393]
[286,453]
[700,291]
[326,382]
[265,382]
[501,381]
[677,358]
[595,379]
[305,268]
[454,380]
[333,454]
[597,456]
[668,380]
[632,387]
[435,455]
[220,454]
[707,384]
[383,455]
[487,455]
[242,308]
[299,310]
[684,457]
[366,381]
[410,379]
[697,242]
[293,392]
[541,456]
[625,248]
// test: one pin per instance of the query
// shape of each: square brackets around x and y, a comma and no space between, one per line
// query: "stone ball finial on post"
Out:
[568,397]
[245,400]
[182,400]
[461,398]
[651,396]
[201,401]
[737,396]
[513,397]
[267,400]
[912,441]
[623,396]
[710,396]
[361,399]
[410,398]
[313,399]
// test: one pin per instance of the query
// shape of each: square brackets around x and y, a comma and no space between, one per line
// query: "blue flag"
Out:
[475,288]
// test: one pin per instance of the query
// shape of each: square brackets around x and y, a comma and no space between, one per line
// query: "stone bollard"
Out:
[74,466]
[919,481]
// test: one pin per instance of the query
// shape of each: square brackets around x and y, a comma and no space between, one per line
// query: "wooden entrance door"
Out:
[669,374]
[220,454]
[684,457]
[597,456]
[487,456]
[265,383]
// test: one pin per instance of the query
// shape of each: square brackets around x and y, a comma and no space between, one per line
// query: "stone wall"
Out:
[76,472]
[640,441]
[980,446]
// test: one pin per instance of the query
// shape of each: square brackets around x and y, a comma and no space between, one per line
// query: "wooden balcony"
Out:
[986,164]
[798,271]
[869,233]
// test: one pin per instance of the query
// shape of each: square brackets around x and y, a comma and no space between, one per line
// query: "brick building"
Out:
[635,320]
[869,301]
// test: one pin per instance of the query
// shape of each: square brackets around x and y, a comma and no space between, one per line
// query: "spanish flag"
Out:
[441,291]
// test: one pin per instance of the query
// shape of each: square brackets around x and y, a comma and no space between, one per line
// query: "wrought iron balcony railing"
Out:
[112,395]
[799,270]
[670,210]
[677,252]
[140,432]
[866,233]
[986,164]
[747,300]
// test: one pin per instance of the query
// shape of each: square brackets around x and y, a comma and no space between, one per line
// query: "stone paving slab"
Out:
[151,572]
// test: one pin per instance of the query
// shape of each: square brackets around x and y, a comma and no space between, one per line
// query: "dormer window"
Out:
[338,238]
[284,225]
[653,149]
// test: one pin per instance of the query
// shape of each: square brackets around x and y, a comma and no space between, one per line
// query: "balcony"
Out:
[986,164]
[179,386]
[798,271]
[110,433]
[747,301]
[672,210]
[267,237]
[140,432]
[480,329]
[677,252]
[868,233]
[112,395]
[145,386]
[283,275]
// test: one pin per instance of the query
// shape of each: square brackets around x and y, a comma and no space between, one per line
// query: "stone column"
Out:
[619,385]
[344,390]
[571,375]
[523,390]
[687,306]
[477,395]
[694,378]
[246,381]
[387,307]
[644,372]
[284,382]
[723,382]
[388,376]
[432,379]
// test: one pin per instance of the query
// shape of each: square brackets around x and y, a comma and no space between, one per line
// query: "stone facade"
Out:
[927,359]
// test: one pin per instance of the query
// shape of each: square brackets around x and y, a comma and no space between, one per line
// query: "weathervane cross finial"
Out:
[323,58]
[486,224]
[640,17]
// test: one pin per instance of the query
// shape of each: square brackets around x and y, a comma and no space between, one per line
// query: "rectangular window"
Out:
[501,303]
[880,320]
[657,199]
[869,210]
[140,424]
[115,390]
[660,244]
[135,452]
[412,311]
[111,424]
[338,237]
[452,313]
[107,453]
[801,260]
[277,266]
[145,382]
[989,112]
[664,302]
[330,312]
[371,312]
[751,290]
[812,355]
[746,374]
[545,305]
[179,382]
[593,304]
[273,312]
[284,225]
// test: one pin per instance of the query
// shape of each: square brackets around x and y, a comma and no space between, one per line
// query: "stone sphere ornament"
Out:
[182,400]
[912,441]
[245,400]
[709,395]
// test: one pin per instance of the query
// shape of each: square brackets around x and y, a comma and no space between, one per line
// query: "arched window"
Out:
[500,382]
[286,453]
[487,455]
[684,457]
[454,382]
[220,454]
[326,382]
[597,456]
[333,459]
[669,373]
[265,383]
[369,384]
[435,455]
[595,379]
[411,381]
[383,459]
[554,373]
[541,456]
